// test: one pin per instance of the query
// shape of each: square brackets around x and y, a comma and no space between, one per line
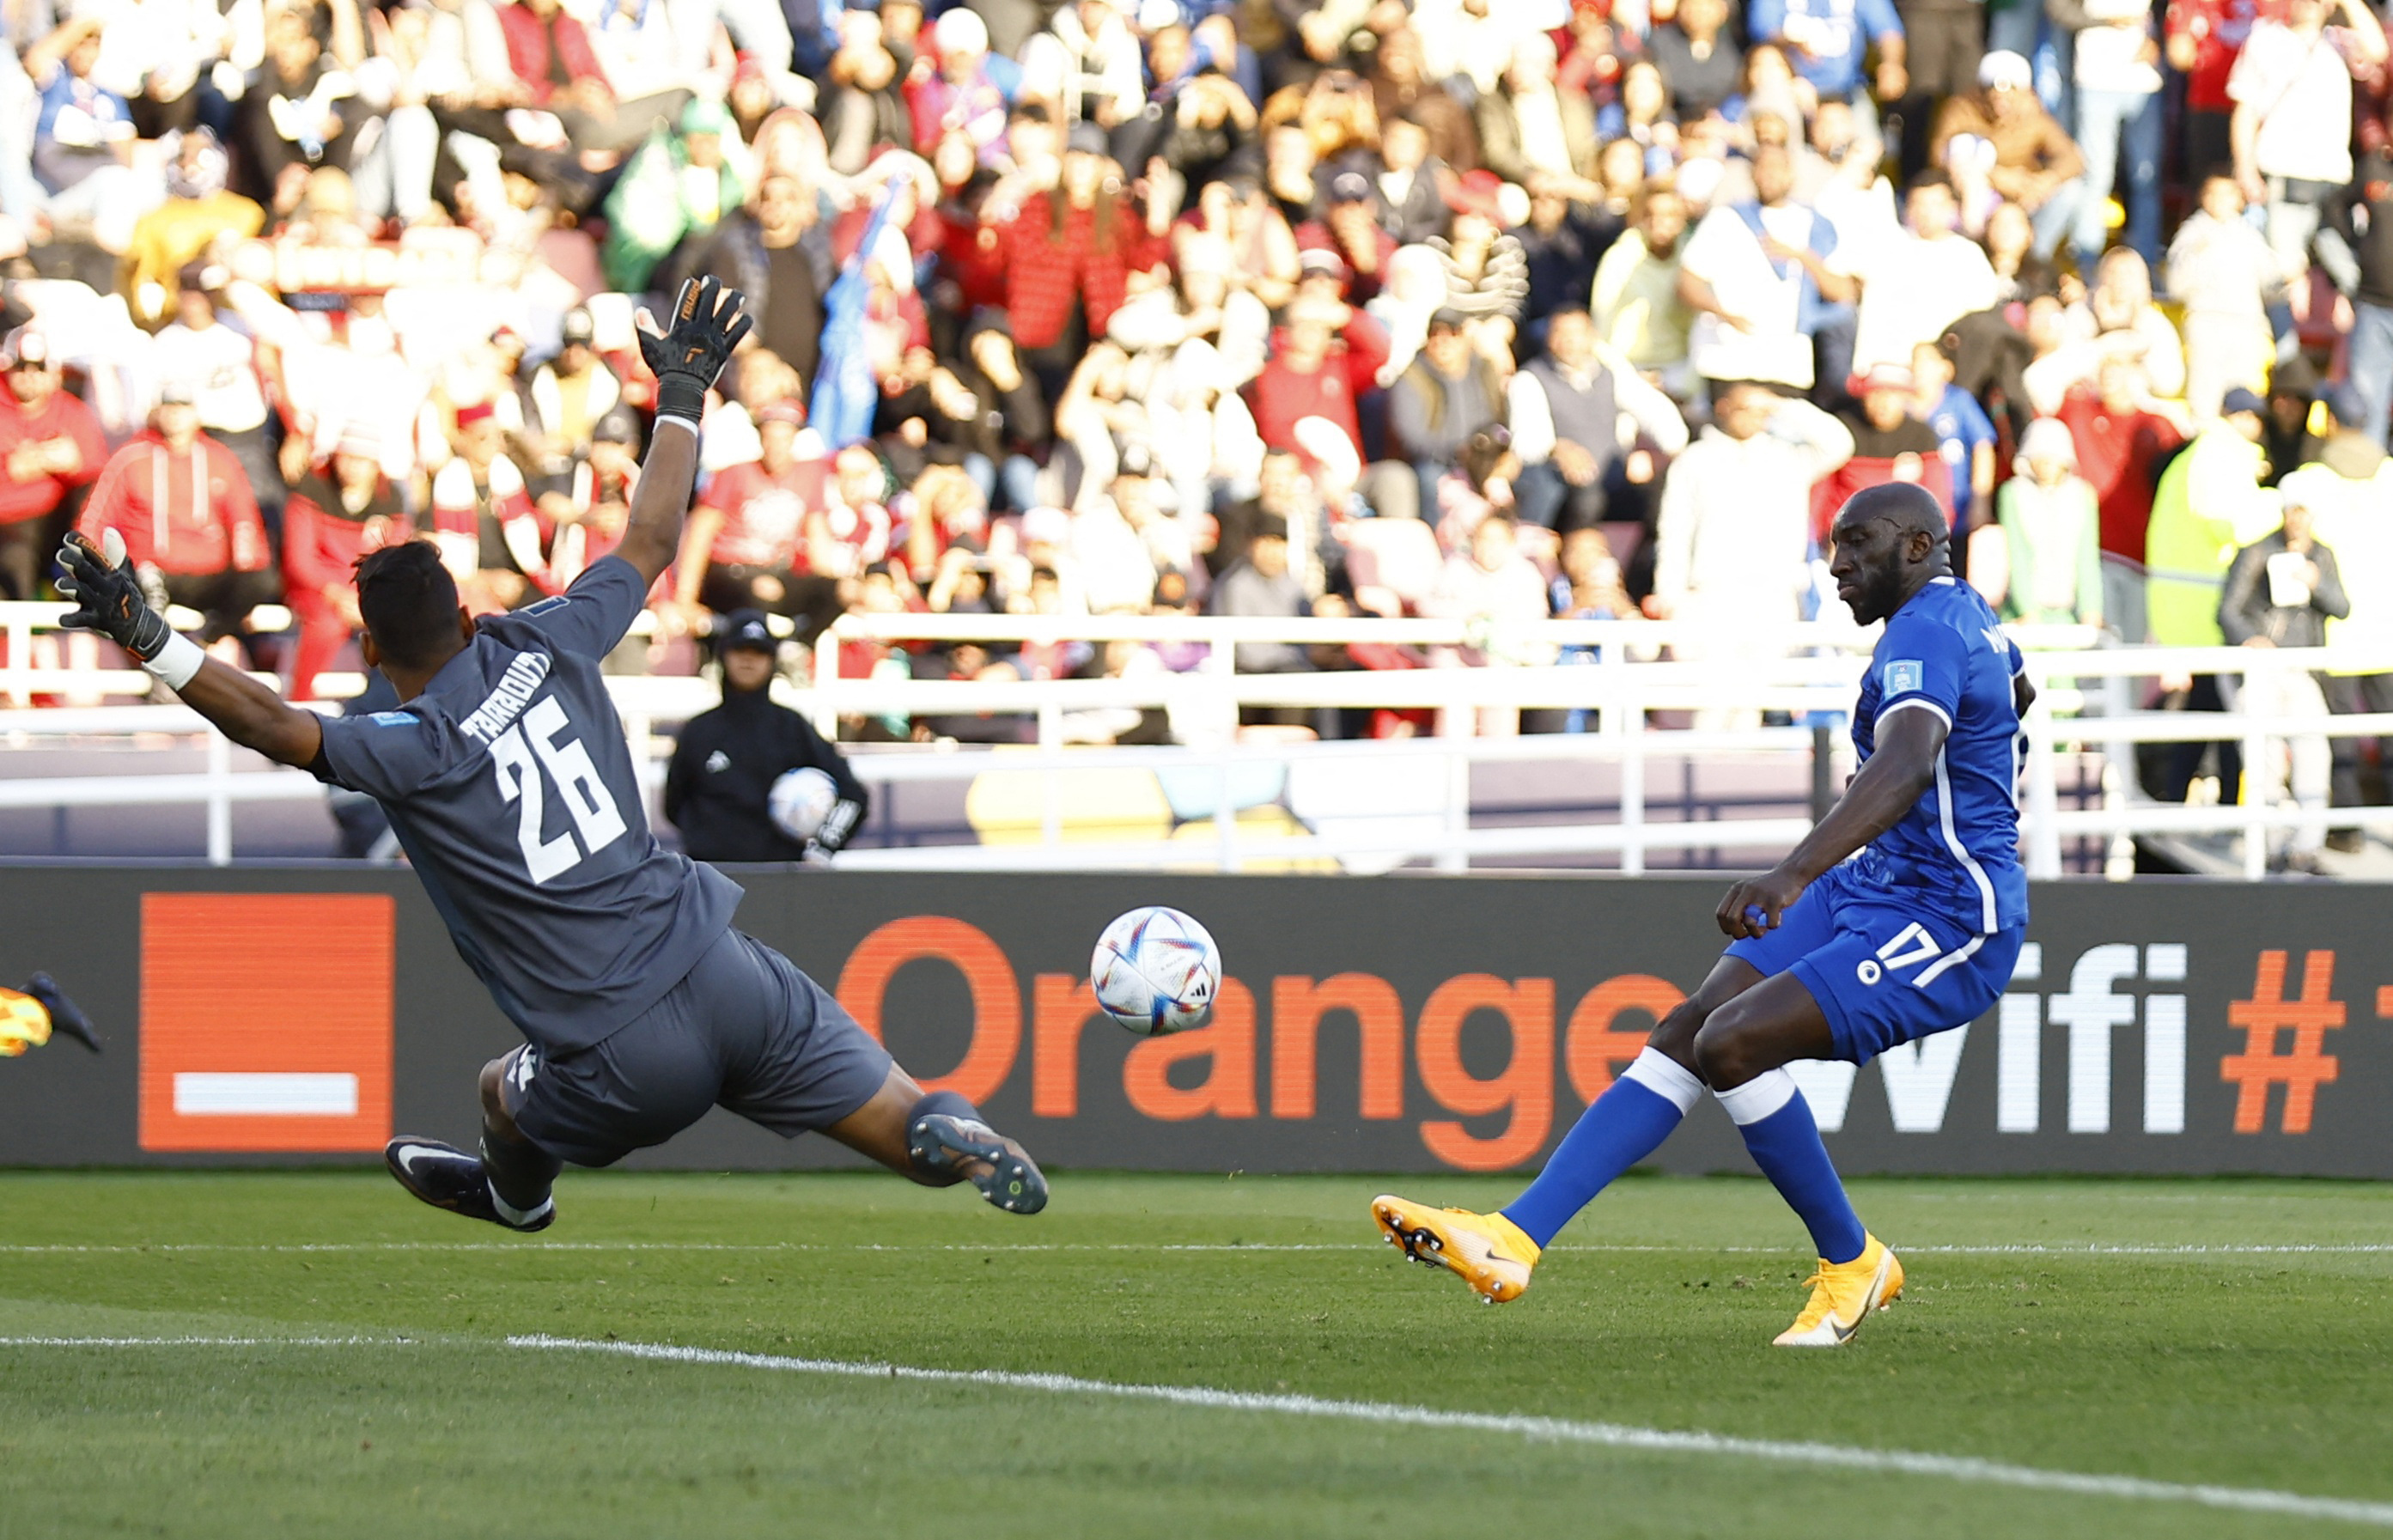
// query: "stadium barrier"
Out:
[1390,1024]
[1808,671]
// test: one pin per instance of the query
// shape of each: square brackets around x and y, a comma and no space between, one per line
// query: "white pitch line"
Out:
[1552,1429]
[2091,1248]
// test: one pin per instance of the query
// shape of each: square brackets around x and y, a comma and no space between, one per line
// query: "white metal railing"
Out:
[1810,669]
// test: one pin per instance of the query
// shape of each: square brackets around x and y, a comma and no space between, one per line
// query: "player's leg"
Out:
[1495,1253]
[797,1063]
[938,1139]
[509,1183]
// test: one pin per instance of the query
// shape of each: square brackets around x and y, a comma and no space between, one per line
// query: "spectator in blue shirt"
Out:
[1825,41]
[1963,432]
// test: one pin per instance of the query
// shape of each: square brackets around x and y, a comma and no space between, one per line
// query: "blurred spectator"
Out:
[190,527]
[2227,278]
[219,365]
[1495,592]
[2348,487]
[1534,133]
[1698,56]
[1262,587]
[1568,409]
[2118,78]
[572,391]
[1826,41]
[490,535]
[2292,126]
[2363,216]
[2035,164]
[50,451]
[1448,395]
[1889,444]
[746,546]
[1759,278]
[1404,86]
[679,183]
[198,212]
[83,140]
[1637,306]
[2121,449]
[2046,565]
[337,514]
[1411,203]
[1916,284]
[1964,434]
[2210,504]
[2281,592]
[1735,520]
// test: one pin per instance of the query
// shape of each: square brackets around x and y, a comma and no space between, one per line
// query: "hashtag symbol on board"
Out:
[2263,1017]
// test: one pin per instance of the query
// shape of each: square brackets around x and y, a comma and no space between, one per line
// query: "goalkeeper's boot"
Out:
[446,1177]
[65,1014]
[1487,1251]
[943,1144]
[1843,1294]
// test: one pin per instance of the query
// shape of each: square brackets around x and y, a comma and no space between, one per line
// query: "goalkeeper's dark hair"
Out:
[408,603]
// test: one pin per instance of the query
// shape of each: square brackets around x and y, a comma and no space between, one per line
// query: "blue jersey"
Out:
[1957,849]
[1961,425]
[513,792]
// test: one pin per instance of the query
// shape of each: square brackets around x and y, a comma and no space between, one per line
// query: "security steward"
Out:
[719,789]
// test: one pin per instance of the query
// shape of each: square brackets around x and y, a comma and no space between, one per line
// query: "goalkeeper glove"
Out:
[688,355]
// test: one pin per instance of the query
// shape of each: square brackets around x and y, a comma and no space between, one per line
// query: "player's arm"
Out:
[1888,786]
[107,600]
[707,323]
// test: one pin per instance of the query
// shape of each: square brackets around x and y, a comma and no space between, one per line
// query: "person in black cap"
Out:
[720,790]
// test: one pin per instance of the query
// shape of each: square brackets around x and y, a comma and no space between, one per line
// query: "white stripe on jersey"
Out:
[1961,852]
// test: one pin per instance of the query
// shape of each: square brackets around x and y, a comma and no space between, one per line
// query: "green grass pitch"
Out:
[2245,1368]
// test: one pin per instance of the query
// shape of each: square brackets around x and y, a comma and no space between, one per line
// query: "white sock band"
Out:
[1759,1096]
[177,662]
[514,1215]
[1666,1078]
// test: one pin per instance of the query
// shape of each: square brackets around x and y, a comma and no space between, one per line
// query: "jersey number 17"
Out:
[596,816]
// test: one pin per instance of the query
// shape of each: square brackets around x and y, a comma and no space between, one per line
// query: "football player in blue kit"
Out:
[508,782]
[1829,957]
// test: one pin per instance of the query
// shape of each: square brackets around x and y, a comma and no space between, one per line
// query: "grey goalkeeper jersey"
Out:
[512,790]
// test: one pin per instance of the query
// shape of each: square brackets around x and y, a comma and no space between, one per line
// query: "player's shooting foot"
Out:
[943,1143]
[448,1178]
[65,1016]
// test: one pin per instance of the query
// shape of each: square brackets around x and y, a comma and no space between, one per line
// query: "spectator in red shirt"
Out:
[1322,360]
[745,547]
[1889,445]
[189,519]
[491,538]
[2120,443]
[50,451]
[337,513]
[550,52]
[1068,256]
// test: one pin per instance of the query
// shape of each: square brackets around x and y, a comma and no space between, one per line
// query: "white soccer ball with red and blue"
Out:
[1156,971]
[800,800]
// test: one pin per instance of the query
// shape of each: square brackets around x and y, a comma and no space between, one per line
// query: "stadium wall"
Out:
[302,1014]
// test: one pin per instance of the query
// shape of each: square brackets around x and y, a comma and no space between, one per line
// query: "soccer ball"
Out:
[1156,971]
[800,800]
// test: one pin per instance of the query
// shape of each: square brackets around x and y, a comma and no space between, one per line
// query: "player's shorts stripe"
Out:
[1935,969]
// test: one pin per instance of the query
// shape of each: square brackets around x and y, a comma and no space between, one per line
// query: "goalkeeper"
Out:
[509,784]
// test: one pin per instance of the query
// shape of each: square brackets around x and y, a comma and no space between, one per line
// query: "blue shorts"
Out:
[1885,968]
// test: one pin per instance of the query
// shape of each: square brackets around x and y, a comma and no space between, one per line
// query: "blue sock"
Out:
[1784,1142]
[1626,1123]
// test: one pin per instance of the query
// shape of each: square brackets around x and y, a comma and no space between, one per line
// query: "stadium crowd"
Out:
[1495,309]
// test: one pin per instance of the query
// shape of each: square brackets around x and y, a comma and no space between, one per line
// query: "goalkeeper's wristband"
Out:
[681,395]
[177,662]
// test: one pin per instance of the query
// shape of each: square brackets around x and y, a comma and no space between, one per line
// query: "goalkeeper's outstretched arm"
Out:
[687,356]
[107,600]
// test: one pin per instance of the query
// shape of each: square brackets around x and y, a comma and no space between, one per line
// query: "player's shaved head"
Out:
[1890,542]
[408,603]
